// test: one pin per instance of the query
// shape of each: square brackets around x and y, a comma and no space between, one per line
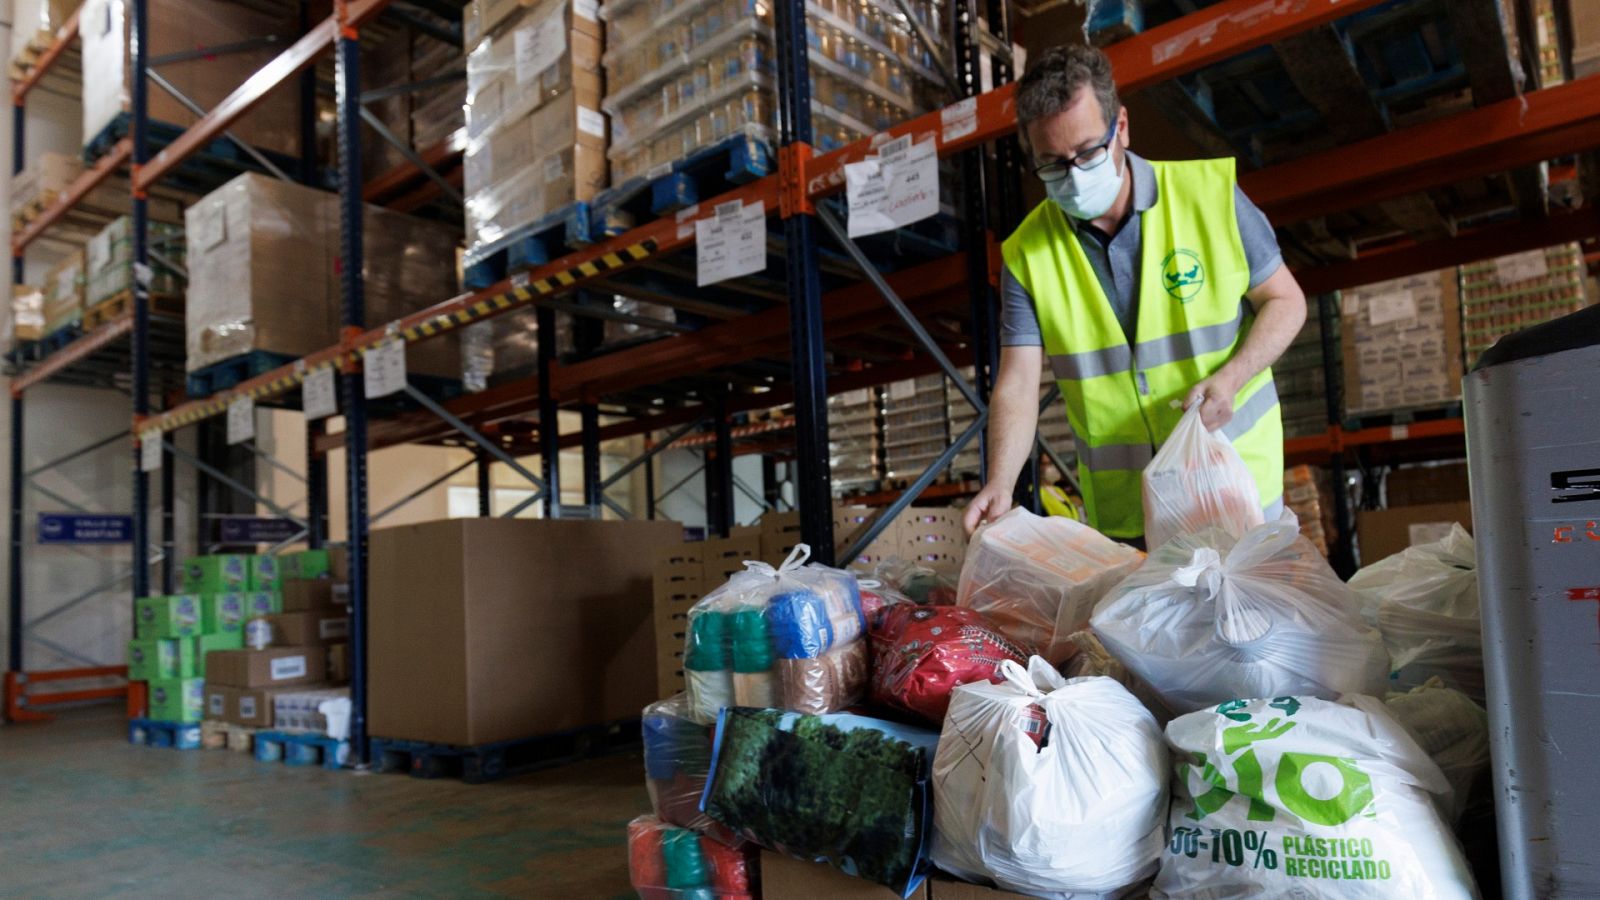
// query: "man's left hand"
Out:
[1215,396]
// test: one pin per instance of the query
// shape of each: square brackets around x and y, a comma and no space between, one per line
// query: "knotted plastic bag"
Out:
[1209,618]
[1424,601]
[1198,481]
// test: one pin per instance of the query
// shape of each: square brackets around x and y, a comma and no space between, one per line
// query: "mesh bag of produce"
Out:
[1198,481]
[1209,618]
[843,789]
[1038,577]
[790,638]
[1306,798]
[666,862]
[921,653]
[1424,600]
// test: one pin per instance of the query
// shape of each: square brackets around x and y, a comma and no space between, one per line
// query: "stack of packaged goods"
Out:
[35,30]
[1308,493]
[1507,294]
[1302,384]
[109,262]
[853,440]
[27,313]
[63,293]
[1402,343]
[40,185]
[915,425]
[684,75]
[536,140]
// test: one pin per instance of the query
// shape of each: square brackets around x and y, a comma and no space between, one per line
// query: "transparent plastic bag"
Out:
[666,862]
[1077,811]
[922,653]
[1038,577]
[1197,481]
[1306,798]
[920,583]
[1453,730]
[677,761]
[1209,619]
[843,789]
[791,638]
[1424,601]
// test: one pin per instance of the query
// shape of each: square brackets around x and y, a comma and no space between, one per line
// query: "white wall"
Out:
[688,503]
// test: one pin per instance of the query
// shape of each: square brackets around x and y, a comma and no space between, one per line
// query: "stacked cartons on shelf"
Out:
[41,183]
[1302,384]
[536,140]
[35,27]
[1500,296]
[1402,344]
[915,425]
[385,63]
[436,112]
[682,75]
[969,461]
[1308,493]
[853,440]
[63,293]
[27,313]
[1054,427]
[177,26]
[109,261]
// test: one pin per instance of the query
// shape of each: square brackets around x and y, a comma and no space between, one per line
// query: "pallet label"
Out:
[958,120]
[318,397]
[241,420]
[285,668]
[150,452]
[384,368]
[731,244]
[894,189]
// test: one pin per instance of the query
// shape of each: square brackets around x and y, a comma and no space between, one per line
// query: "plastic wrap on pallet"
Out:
[506,347]
[63,293]
[666,862]
[108,263]
[35,26]
[535,136]
[401,266]
[178,26]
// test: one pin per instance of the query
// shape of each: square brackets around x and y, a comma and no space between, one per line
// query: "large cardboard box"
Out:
[1385,532]
[304,595]
[207,643]
[272,667]
[786,878]
[721,558]
[250,707]
[483,630]
[679,581]
[1402,343]
[308,629]
[63,292]
[1420,485]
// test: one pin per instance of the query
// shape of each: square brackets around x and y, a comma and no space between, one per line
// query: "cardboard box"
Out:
[723,557]
[63,292]
[299,710]
[1385,532]
[786,878]
[265,574]
[177,699]
[250,707]
[779,533]
[306,595]
[1402,343]
[327,562]
[1421,485]
[173,616]
[144,659]
[306,629]
[272,667]
[221,613]
[338,663]
[218,574]
[207,643]
[935,537]
[483,630]
[679,581]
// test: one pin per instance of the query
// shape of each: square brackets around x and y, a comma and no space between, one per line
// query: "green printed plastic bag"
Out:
[1306,798]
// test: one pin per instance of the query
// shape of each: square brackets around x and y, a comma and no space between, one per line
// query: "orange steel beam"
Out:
[81,186]
[1467,247]
[1180,46]
[73,353]
[20,704]
[65,35]
[284,66]
[1538,126]
[1320,446]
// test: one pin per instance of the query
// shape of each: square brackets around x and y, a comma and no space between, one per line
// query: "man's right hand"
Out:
[990,503]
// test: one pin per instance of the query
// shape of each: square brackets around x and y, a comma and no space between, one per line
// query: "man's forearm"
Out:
[1283,313]
[1013,418]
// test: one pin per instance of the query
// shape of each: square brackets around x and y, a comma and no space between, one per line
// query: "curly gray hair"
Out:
[1054,77]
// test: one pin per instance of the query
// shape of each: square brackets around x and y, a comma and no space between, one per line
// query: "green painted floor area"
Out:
[85,814]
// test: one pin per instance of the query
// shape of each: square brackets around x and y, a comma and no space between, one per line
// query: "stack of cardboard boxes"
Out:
[1421,504]
[1402,343]
[1510,293]
[63,293]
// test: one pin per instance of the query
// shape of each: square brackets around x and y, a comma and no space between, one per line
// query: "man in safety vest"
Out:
[1139,283]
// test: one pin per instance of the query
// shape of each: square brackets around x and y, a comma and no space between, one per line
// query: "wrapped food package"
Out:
[677,760]
[922,653]
[1198,481]
[1209,618]
[666,862]
[1038,578]
[843,789]
[791,637]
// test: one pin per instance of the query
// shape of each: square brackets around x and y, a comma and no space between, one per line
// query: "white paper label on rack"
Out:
[591,122]
[539,46]
[586,9]
[318,397]
[731,244]
[211,225]
[241,420]
[553,169]
[688,212]
[143,275]
[897,188]
[384,368]
[959,120]
[150,451]
[1391,306]
[1521,267]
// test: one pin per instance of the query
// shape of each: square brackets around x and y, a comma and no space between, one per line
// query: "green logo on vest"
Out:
[1182,275]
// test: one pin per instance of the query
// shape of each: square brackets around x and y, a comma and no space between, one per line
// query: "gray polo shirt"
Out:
[1115,260]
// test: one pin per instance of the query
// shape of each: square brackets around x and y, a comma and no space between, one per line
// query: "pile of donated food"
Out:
[1223,717]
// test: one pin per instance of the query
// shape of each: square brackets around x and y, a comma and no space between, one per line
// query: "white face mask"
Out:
[1087,194]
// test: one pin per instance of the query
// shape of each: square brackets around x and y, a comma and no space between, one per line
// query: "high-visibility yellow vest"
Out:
[1192,316]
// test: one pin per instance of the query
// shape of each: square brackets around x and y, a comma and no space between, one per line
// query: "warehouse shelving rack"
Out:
[1544,124]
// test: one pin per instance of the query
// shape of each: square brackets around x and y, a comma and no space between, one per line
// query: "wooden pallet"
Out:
[491,762]
[167,305]
[216,735]
[32,209]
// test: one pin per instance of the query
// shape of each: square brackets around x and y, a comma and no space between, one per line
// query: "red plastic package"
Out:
[921,653]
[666,862]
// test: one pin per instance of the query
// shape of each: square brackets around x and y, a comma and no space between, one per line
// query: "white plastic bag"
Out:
[1037,578]
[1080,816]
[1424,600]
[1197,481]
[1209,619]
[1306,798]
[1453,730]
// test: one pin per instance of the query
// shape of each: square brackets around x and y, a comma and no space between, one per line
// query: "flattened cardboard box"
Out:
[272,667]
[484,630]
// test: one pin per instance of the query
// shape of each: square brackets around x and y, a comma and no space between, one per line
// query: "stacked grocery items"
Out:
[63,293]
[961,414]
[40,185]
[108,262]
[1301,380]
[916,425]
[1507,294]
[854,449]
[1402,343]
[684,75]
[536,140]
[1308,493]
[27,313]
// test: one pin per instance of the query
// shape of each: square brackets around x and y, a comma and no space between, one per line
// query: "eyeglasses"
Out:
[1088,159]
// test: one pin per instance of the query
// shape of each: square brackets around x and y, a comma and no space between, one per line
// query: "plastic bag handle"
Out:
[796,558]
[1263,542]
[1018,677]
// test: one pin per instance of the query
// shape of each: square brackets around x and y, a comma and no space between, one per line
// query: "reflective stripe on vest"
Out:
[1191,317]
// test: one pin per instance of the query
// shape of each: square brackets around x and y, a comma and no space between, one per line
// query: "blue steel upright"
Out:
[814,482]
[140,226]
[347,76]
[549,413]
[14,593]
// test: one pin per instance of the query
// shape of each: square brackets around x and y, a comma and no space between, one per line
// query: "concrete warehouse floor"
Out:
[85,814]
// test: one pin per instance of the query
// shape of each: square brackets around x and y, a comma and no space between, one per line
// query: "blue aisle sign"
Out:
[84,528]
[256,530]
